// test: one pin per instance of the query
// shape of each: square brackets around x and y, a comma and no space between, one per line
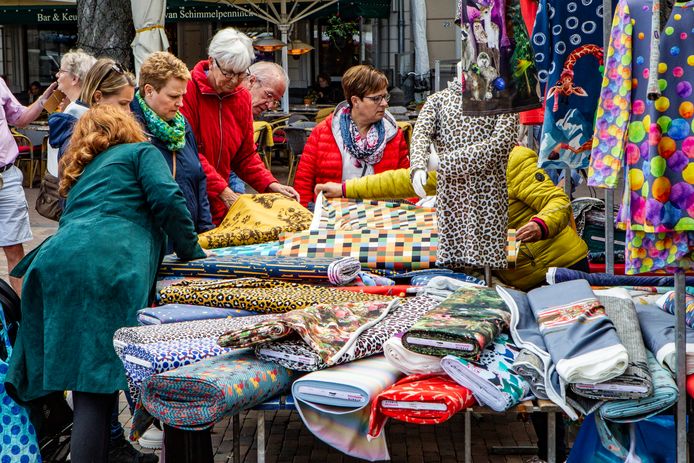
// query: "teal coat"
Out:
[99,268]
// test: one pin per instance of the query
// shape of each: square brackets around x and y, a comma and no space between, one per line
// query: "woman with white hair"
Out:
[218,109]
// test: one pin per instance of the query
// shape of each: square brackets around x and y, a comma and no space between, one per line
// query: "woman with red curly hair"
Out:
[91,277]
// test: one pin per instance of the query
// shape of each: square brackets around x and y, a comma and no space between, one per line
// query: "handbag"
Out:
[49,203]
[17,434]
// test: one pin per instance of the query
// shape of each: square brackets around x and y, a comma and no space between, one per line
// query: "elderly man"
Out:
[267,83]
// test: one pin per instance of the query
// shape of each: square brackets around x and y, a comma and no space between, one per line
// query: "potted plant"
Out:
[310,97]
[340,31]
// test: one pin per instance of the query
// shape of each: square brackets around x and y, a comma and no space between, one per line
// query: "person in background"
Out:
[218,109]
[163,82]
[34,92]
[98,269]
[538,210]
[326,91]
[74,66]
[360,137]
[14,213]
[267,83]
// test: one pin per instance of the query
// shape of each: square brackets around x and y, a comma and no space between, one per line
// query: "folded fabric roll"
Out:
[298,355]
[490,379]
[261,249]
[558,275]
[442,287]
[165,281]
[329,330]
[423,280]
[359,214]
[197,396]
[257,219]
[334,404]
[635,382]
[629,411]
[174,313]
[399,250]
[419,399]
[580,338]
[667,303]
[658,330]
[529,366]
[392,290]
[462,325]
[410,363]
[258,295]
[338,271]
[144,360]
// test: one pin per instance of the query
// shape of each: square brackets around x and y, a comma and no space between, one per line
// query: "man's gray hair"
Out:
[233,49]
[77,62]
[266,71]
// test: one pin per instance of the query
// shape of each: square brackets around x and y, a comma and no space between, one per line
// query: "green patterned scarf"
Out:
[173,133]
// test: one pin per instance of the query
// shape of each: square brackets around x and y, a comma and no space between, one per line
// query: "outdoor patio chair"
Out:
[296,140]
[26,156]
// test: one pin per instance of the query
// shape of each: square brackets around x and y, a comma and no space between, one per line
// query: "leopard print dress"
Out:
[472,197]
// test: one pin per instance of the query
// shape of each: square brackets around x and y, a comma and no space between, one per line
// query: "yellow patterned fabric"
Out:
[263,296]
[254,219]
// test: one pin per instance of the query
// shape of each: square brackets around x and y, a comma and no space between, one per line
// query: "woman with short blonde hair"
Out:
[99,268]
[163,82]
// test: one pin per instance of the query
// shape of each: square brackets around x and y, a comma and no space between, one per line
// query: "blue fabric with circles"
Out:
[567,40]
[18,442]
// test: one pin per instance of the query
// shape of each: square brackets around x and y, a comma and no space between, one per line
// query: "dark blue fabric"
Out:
[60,126]
[605,279]
[189,174]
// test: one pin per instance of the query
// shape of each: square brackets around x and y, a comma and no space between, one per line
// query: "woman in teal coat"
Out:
[91,277]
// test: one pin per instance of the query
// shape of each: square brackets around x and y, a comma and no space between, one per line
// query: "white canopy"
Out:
[150,36]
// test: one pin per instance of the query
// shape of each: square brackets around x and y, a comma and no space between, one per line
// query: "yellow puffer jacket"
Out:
[531,194]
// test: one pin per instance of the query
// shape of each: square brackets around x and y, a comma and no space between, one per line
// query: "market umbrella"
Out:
[148,18]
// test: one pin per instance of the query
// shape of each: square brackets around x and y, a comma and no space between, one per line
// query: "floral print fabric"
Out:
[652,141]
[463,325]
[411,400]
[257,219]
[330,330]
[264,296]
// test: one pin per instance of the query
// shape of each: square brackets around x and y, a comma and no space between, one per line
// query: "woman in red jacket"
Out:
[359,138]
[219,111]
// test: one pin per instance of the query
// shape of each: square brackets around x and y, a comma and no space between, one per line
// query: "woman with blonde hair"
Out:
[157,104]
[96,271]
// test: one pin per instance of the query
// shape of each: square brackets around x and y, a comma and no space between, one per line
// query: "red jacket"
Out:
[321,160]
[223,128]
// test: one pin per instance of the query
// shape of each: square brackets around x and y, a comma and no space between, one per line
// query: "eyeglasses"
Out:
[232,75]
[274,101]
[115,67]
[62,71]
[378,98]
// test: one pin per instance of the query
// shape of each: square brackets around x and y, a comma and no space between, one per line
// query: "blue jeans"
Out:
[236,184]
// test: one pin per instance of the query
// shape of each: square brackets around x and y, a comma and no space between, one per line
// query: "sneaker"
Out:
[122,451]
[153,438]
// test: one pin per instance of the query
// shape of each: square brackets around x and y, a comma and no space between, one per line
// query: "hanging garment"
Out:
[658,330]
[334,404]
[257,219]
[174,313]
[462,325]
[357,214]
[652,141]
[529,13]
[329,330]
[568,44]
[559,275]
[338,271]
[419,399]
[667,303]
[635,382]
[410,363]
[472,194]
[400,250]
[197,396]
[499,71]
[490,379]
[264,296]
[298,355]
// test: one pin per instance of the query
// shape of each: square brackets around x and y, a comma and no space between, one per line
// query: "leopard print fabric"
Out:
[472,196]
[264,296]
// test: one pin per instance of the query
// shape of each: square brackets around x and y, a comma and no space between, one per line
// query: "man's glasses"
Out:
[378,98]
[274,101]
[232,75]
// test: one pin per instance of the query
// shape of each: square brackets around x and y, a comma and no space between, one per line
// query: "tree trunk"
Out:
[105,29]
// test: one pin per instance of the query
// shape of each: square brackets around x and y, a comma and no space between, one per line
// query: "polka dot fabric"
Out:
[652,141]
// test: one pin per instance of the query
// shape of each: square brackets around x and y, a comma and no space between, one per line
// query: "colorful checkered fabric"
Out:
[356,214]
